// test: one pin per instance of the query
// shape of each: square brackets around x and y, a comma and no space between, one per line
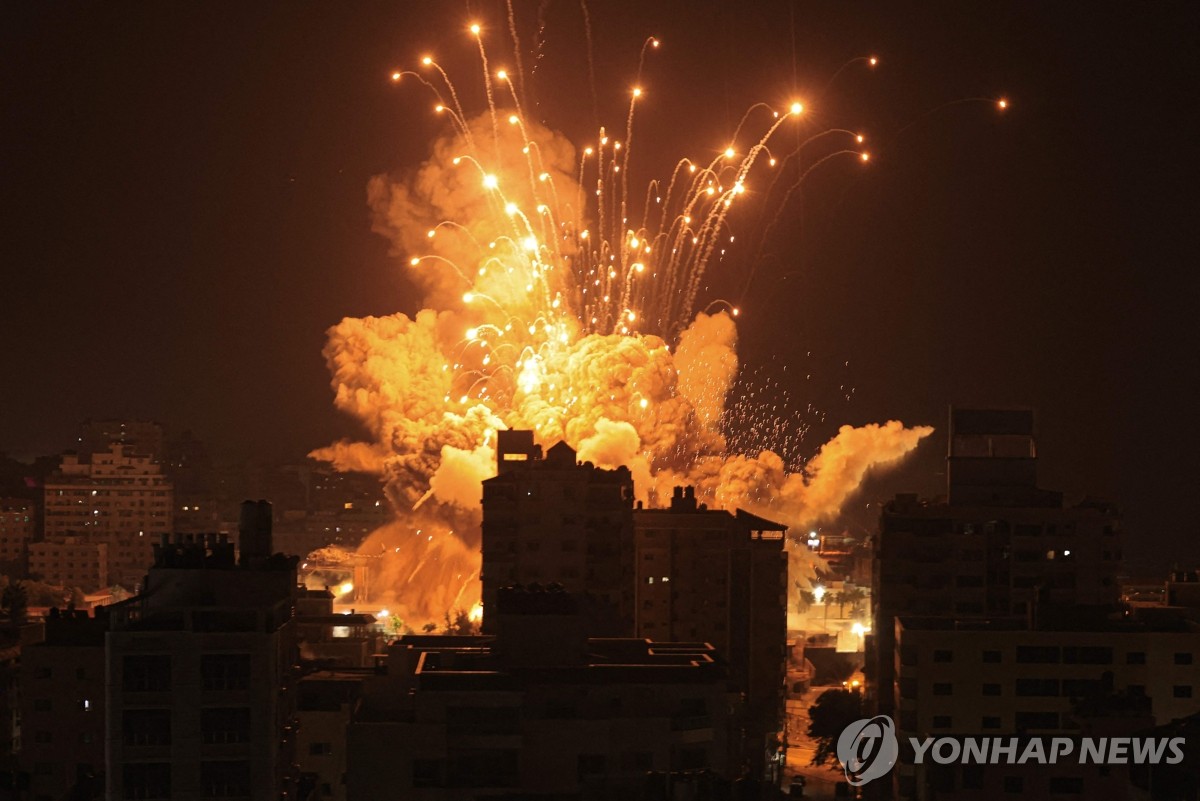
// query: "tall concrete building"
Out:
[117,497]
[997,545]
[719,577]
[686,573]
[554,519]
[200,672]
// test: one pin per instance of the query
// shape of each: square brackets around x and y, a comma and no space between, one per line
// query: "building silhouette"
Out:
[200,694]
[997,613]
[539,710]
[553,519]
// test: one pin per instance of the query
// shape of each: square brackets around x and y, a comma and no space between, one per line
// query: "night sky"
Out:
[184,213]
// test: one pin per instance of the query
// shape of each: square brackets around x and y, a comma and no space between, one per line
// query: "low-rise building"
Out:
[70,562]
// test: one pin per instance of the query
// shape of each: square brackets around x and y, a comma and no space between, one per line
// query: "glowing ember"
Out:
[556,303]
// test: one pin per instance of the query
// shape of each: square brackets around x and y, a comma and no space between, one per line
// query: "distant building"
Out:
[63,706]
[18,525]
[539,710]
[554,519]
[200,672]
[144,437]
[709,575]
[70,562]
[116,497]
[998,546]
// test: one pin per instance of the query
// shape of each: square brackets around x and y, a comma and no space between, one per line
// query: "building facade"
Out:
[998,545]
[70,562]
[201,672]
[118,498]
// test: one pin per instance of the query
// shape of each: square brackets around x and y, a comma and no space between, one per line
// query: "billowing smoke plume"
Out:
[510,338]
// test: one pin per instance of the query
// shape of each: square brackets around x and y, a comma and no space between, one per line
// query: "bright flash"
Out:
[859,138]
[1003,104]
[414,261]
[512,119]
[427,61]
[345,587]
[797,108]
[395,76]
[490,181]
[502,75]
[472,333]
[865,156]
[637,92]
[475,29]
[510,208]
[873,61]
[729,152]
[643,403]
[468,297]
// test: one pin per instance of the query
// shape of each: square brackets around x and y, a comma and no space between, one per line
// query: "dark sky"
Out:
[184,212]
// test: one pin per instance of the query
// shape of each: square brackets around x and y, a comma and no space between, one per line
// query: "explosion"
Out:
[557,300]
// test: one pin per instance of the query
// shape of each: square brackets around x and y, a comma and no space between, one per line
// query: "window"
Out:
[1014,784]
[1135,658]
[1037,654]
[225,779]
[943,688]
[1037,687]
[1087,655]
[147,673]
[1183,658]
[991,689]
[1066,785]
[225,725]
[1182,691]
[1081,688]
[320,749]
[1136,690]
[943,656]
[146,726]
[991,656]
[147,780]
[225,671]
[941,721]
[989,722]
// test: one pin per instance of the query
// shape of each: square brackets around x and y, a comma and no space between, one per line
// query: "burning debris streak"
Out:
[559,299]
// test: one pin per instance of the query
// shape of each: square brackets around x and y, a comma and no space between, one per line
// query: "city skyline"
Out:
[1025,265]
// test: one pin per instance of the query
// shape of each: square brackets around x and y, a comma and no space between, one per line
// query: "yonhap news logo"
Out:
[868,749]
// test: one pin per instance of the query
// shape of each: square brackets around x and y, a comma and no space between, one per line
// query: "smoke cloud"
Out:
[502,343]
